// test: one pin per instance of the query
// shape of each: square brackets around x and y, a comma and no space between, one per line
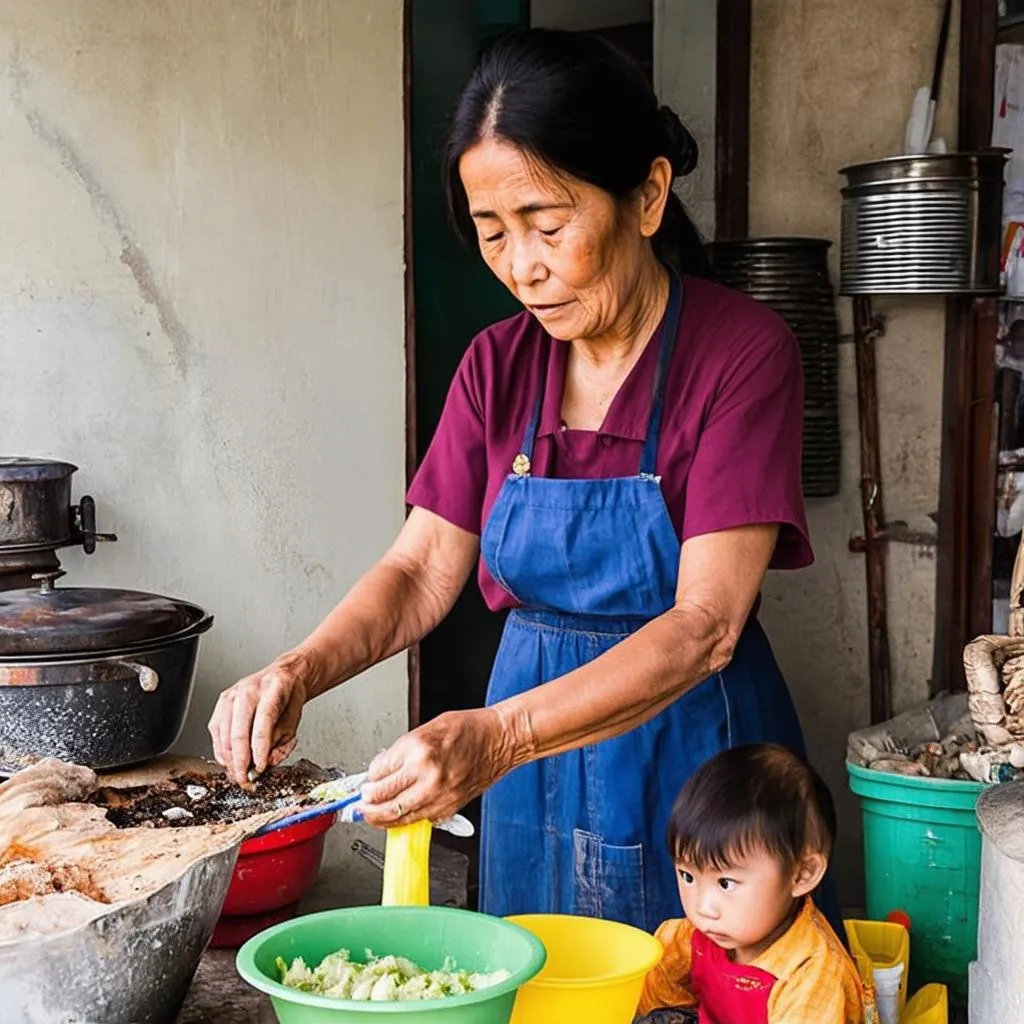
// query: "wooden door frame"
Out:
[732,119]
[411,435]
[732,190]
[963,592]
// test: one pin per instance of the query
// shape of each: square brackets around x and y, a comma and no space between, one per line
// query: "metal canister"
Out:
[925,225]
[35,502]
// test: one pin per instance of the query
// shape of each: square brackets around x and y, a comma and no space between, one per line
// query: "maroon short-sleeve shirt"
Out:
[731,436]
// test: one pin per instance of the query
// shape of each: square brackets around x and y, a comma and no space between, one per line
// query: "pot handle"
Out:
[149,678]
[85,524]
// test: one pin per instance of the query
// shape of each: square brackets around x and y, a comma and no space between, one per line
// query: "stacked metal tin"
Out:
[791,276]
[923,225]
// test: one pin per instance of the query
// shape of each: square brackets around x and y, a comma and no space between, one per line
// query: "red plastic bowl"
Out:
[272,874]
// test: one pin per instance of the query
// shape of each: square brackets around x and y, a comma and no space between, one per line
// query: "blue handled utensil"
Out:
[341,795]
[308,813]
[456,826]
[330,797]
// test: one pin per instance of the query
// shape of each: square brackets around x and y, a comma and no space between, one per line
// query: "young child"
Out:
[752,833]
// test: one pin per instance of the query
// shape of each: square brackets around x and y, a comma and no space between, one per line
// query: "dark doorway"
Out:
[452,297]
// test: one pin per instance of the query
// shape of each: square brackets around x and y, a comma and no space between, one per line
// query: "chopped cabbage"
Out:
[336,789]
[382,978]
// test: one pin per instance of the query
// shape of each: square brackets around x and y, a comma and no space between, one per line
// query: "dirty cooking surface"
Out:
[203,798]
[65,863]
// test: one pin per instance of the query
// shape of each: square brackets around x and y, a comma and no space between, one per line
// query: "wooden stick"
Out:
[867,329]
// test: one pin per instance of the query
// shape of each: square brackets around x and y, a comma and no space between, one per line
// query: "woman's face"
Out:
[567,250]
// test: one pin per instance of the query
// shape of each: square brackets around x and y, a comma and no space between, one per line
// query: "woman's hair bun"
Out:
[680,146]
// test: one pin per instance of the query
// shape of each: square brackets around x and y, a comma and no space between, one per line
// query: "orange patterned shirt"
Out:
[806,977]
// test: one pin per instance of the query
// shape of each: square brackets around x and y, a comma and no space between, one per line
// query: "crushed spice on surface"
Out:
[73,846]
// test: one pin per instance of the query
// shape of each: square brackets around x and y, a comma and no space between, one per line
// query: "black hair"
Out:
[577,104]
[749,798]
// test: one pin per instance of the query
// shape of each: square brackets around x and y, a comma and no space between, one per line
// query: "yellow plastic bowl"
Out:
[594,972]
[929,1006]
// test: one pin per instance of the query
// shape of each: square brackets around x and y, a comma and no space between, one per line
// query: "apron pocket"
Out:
[608,880]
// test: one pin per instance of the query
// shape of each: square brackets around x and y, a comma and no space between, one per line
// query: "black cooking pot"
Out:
[36,511]
[97,677]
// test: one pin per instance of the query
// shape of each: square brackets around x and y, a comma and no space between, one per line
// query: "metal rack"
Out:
[922,242]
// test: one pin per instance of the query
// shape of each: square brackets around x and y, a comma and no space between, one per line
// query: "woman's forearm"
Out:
[621,689]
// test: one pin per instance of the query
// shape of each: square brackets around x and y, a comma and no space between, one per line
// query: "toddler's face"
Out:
[743,908]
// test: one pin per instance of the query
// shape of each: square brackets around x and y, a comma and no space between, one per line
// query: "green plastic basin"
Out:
[426,935]
[922,855]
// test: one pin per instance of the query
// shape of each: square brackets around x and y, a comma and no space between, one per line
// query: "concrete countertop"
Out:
[219,996]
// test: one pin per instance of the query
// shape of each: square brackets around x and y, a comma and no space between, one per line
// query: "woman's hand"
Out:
[435,770]
[404,596]
[255,723]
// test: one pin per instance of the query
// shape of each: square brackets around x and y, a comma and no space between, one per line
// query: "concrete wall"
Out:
[201,304]
[831,85]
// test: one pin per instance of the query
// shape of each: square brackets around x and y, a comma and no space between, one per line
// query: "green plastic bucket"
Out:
[922,855]
[426,935]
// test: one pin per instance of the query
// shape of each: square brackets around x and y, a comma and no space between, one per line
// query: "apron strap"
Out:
[666,349]
[522,464]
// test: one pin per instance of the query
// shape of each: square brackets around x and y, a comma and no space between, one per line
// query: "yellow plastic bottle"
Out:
[407,866]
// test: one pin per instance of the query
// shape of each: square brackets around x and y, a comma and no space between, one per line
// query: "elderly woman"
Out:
[623,459]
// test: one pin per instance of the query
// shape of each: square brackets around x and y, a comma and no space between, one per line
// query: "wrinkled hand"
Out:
[437,769]
[255,723]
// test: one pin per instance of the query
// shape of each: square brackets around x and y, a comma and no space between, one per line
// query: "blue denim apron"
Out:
[590,562]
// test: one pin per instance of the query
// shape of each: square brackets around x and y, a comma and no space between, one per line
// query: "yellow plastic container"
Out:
[880,944]
[929,1006]
[594,972]
[407,866]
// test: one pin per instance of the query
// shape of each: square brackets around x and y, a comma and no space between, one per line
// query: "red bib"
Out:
[726,992]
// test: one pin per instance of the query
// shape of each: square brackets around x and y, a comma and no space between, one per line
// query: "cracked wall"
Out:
[201,305]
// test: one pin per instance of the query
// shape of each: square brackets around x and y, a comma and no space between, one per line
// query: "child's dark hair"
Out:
[757,797]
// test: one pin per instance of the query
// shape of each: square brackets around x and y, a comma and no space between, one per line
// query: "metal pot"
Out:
[132,965]
[36,511]
[35,496]
[96,677]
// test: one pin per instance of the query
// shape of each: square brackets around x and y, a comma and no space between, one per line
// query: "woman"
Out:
[625,457]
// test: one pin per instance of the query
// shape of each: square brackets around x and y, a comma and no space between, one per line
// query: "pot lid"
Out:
[49,620]
[17,467]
